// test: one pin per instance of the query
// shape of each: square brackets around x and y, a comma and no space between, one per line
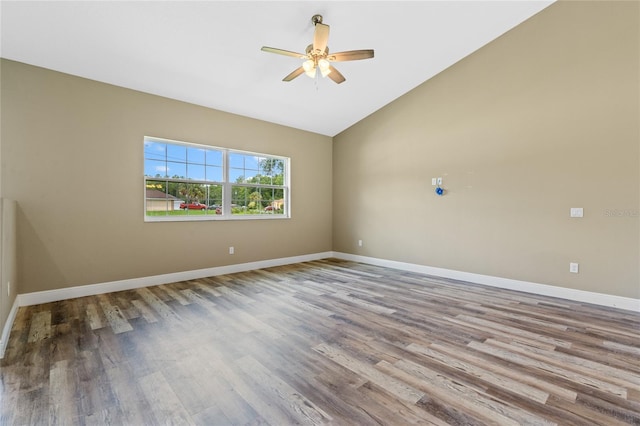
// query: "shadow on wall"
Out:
[8,269]
[37,267]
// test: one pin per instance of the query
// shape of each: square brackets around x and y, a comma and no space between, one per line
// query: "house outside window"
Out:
[185,181]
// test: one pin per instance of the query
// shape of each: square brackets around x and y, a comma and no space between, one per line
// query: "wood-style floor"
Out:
[327,342]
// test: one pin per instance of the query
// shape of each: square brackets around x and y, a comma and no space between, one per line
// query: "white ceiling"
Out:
[208,52]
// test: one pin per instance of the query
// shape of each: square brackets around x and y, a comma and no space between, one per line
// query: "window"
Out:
[185,181]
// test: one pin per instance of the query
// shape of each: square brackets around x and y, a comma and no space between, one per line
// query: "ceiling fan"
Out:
[317,56]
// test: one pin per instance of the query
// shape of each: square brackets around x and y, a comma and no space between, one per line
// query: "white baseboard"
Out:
[35,298]
[48,296]
[6,331]
[626,303]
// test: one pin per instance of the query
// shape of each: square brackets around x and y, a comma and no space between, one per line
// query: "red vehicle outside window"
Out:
[193,206]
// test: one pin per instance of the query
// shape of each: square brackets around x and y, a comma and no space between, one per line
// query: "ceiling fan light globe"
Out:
[323,64]
[325,72]
[308,66]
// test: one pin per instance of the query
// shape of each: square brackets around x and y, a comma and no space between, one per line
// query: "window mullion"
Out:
[226,188]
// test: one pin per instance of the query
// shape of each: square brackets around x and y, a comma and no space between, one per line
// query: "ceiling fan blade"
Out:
[351,55]
[321,37]
[295,73]
[283,52]
[335,75]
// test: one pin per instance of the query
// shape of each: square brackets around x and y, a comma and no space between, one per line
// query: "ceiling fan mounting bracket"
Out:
[315,54]
[316,19]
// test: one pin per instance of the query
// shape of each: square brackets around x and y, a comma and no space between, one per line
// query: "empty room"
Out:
[298,212]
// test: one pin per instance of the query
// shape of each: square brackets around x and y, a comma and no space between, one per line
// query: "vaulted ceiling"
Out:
[208,53]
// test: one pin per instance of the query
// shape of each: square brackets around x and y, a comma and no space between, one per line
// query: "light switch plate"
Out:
[577,212]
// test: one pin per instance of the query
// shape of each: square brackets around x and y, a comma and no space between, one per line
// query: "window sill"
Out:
[212,218]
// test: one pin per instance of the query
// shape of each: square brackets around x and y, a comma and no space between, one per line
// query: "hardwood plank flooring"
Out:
[325,342]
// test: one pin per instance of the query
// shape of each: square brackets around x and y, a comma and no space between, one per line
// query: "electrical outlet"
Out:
[359,243]
[439,181]
[573,267]
[231,250]
[434,181]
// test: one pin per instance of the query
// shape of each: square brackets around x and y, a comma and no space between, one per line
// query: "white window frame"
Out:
[225,183]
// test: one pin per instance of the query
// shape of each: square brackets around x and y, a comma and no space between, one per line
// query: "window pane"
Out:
[267,201]
[213,173]
[266,180]
[214,158]
[254,196]
[236,160]
[251,176]
[238,200]
[236,175]
[251,162]
[155,150]
[214,199]
[195,172]
[195,198]
[177,170]
[266,166]
[247,200]
[238,195]
[173,189]
[177,153]
[195,155]
[278,206]
[154,168]
[196,192]
[157,201]
[278,167]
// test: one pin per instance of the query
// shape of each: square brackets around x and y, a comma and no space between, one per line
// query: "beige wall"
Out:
[541,120]
[72,159]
